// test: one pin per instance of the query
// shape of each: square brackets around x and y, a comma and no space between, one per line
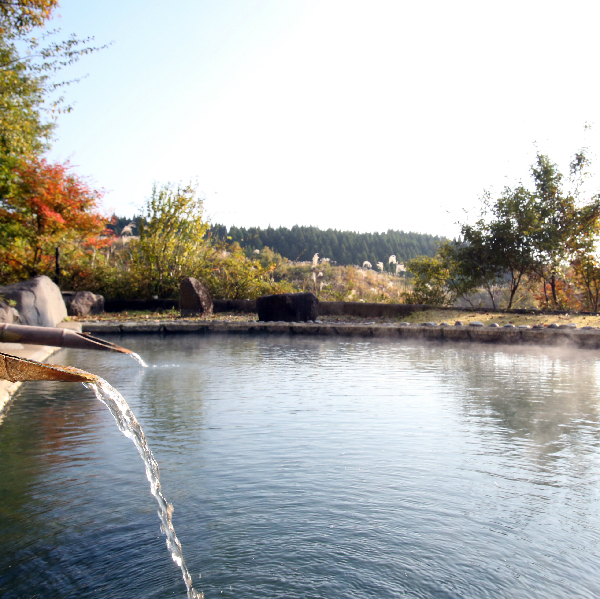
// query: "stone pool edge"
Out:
[586,339]
[575,338]
[39,353]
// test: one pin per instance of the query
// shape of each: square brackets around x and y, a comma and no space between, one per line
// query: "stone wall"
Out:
[569,337]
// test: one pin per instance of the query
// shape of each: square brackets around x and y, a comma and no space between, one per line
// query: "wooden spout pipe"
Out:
[16,333]
[20,369]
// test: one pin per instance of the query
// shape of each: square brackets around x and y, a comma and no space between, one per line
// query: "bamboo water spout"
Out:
[15,333]
[20,369]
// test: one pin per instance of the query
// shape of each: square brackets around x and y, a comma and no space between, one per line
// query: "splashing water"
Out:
[131,428]
[138,359]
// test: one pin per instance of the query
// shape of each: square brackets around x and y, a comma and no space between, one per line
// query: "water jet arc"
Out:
[20,369]
[29,335]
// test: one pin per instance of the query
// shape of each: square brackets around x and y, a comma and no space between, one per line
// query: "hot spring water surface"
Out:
[303,468]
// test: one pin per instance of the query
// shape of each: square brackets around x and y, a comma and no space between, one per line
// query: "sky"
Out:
[362,116]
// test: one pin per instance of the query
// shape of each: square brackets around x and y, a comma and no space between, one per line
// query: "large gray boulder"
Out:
[194,298]
[289,307]
[8,314]
[83,303]
[38,301]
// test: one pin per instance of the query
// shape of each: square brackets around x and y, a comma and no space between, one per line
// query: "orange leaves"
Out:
[56,200]
[48,206]
[24,14]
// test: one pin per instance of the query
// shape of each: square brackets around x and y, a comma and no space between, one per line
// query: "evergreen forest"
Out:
[342,247]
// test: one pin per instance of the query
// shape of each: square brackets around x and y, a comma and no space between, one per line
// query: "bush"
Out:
[173,245]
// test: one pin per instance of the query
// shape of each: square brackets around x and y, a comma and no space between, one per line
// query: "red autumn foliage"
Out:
[47,207]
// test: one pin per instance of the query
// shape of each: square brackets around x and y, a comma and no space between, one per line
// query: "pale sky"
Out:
[366,116]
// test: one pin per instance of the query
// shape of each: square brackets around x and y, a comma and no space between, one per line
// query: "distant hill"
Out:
[301,243]
[342,247]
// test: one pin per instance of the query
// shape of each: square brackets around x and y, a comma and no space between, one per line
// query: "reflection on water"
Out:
[310,468]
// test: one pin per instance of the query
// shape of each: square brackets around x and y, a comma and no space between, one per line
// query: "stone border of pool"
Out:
[578,338]
[582,338]
[39,353]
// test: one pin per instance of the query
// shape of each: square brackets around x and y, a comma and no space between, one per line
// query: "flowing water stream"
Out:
[138,359]
[130,427]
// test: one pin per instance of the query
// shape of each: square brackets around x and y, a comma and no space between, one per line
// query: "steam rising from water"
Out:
[131,428]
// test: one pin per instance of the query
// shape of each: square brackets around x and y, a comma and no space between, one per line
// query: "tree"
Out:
[555,228]
[28,64]
[172,232]
[174,243]
[587,275]
[507,245]
[468,266]
[23,15]
[531,233]
[49,207]
[429,284]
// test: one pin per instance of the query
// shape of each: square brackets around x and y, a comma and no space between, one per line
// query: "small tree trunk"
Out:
[57,267]
[514,285]
[490,293]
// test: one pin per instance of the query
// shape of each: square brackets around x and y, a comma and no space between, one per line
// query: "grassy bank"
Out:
[438,316]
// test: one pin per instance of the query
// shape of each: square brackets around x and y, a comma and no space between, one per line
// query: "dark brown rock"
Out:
[288,307]
[194,298]
[84,303]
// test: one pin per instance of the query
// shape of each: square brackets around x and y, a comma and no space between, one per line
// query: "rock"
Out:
[476,323]
[568,325]
[459,323]
[39,301]
[494,324]
[194,298]
[553,326]
[83,303]
[430,324]
[8,314]
[288,307]
[508,325]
